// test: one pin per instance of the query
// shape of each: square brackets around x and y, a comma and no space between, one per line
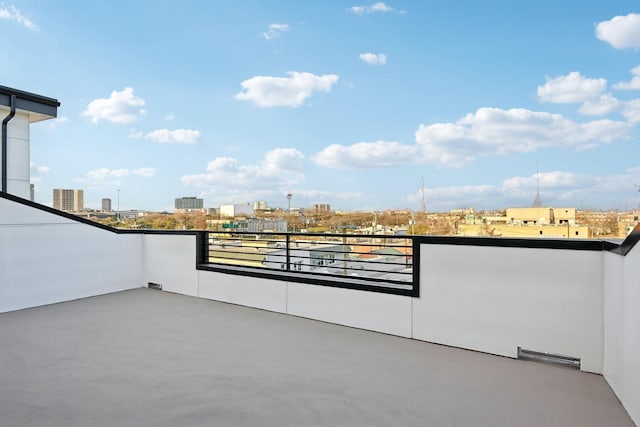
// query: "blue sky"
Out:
[343,102]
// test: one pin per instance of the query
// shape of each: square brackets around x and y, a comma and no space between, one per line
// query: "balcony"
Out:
[445,352]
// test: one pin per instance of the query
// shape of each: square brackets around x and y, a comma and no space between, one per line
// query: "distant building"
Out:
[32,192]
[260,206]
[106,205]
[68,200]
[255,225]
[188,204]
[527,222]
[232,211]
[321,209]
[541,216]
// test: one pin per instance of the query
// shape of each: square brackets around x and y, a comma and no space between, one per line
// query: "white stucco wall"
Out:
[622,329]
[18,157]
[496,299]
[255,292]
[170,261]
[613,319]
[390,314]
[45,258]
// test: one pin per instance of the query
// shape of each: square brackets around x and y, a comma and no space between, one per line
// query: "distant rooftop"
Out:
[145,357]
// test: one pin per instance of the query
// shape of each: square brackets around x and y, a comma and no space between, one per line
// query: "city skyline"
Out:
[346,103]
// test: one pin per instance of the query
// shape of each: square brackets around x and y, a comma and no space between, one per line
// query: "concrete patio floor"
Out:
[151,358]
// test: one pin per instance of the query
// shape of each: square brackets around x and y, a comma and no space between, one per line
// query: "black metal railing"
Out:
[382,263]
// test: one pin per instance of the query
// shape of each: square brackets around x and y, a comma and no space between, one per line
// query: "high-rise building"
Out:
[321,209]
[106,205]
[68,200]
[188,204]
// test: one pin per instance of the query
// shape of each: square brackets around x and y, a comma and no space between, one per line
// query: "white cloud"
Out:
[120,107]
[444,198]
[169,117]
[634,84]
[38,169]
[177,136]
[12,13]
[376,7]
[373,58]
[135,134]
[557,189]
[103,174]
[604,104]
[274,30]
[280,169]
[146,172]
[631,111]
[57,121]
[493,131]
[265,91]
[621,32]
[459,192]
[487,132]
[572,88]
[554,180]
[366,155]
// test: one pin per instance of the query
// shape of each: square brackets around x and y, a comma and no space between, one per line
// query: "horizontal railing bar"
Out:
[401,258]
[316,273]
[343,259]
[306,235]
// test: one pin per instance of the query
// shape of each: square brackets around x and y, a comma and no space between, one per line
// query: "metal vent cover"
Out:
[556,359]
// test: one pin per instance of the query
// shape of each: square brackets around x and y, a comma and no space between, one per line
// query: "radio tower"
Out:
[537,202]
[422,207]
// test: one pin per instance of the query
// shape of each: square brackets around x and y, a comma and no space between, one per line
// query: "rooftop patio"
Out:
[144,357]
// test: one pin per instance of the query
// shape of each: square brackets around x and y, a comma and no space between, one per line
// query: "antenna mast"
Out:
[422,206]
[537,203]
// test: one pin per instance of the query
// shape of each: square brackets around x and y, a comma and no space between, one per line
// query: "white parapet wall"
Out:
[254,292]
[47,258]
[622,329]
[390,314]
[496,299]
[489,299]
[170,261]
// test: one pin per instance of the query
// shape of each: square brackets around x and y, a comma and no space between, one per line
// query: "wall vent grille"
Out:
[556,359]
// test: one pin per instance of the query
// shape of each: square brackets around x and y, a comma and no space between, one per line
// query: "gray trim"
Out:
[29,101]
[632,239]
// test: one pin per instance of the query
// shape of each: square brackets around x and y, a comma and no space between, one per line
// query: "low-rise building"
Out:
[232,211]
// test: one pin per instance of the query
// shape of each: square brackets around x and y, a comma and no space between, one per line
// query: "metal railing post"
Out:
[287,246]
[202,247]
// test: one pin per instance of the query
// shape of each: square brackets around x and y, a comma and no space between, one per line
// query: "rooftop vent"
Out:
[556,359]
